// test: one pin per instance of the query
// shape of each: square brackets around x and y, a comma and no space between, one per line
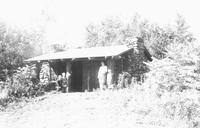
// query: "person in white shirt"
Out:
[102,74]
[68,77]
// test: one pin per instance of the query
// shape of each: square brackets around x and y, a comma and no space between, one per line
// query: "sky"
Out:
[65,20]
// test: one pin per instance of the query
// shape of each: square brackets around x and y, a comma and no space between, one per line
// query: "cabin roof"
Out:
[93,52]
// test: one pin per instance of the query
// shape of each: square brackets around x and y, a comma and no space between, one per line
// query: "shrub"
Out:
[44,74]
[177,72]
[175,80]
[21,85]
[183,106]
[124,80]
[44,78]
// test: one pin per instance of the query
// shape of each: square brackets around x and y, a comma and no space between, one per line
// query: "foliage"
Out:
[177,72]
[175,80]
[124,80]
[44,74]
[44,78]
[153,37]
[58,47]
[159,38]
[107,33]
[24,84]
[113,31]
[21,85]
[15,46]
[183,106]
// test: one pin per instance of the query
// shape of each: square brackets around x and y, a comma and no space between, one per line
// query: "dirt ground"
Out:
[109,109]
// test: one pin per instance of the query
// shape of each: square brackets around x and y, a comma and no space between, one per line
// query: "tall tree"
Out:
[157,39]
[15,46]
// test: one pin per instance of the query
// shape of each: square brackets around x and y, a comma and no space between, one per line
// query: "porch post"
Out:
[37,70]
[50,74]
[88,75]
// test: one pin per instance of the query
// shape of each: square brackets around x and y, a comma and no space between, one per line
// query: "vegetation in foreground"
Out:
[170,91]
[119,108]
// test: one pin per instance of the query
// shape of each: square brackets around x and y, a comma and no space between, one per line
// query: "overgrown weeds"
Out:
[175,80]
[22,84]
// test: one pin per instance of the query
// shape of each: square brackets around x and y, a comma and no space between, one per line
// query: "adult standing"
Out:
[68,77]
[102,75]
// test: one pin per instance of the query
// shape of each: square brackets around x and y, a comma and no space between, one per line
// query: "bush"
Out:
[183,106]
[44,74]
[20,85]
[124,80]
[177,72]
[175,80]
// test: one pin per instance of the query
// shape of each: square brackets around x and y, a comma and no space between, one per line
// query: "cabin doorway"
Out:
[77,75]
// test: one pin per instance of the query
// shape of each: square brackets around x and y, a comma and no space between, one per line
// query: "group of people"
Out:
[104,76]
[64,81]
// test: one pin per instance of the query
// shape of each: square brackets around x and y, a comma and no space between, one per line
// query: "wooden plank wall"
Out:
[94,73]
[85,80]
[118,69]
[90,72]
[111,65]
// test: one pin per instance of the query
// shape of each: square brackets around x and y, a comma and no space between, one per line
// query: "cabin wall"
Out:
[118,69]
[126,61]
[111,65]
[38,69]
[90,68]
[77,76]
[90,72]
[122,64]
[86,76]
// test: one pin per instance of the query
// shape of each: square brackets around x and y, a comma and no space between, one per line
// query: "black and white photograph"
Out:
[99,64]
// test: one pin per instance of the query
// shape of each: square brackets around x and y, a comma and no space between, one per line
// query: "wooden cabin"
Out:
[84,63]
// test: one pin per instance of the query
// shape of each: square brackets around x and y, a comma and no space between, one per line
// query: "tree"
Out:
[15,46]
[160,38]
[108,33]
[115,32]
[58,47]
[156,38]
